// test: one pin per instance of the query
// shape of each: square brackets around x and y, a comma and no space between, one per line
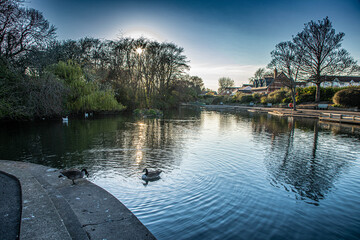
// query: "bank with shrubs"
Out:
[342,97]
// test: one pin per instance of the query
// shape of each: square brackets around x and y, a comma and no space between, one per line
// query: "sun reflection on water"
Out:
[141,141]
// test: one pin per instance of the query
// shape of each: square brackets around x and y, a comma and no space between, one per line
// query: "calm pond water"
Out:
[225,175]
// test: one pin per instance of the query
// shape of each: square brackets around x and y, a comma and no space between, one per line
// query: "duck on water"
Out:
[151,175]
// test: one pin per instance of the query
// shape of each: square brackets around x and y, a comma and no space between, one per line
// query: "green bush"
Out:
[152,113]
[243,98]
[68,71]
[277,96]
[349,97]
[308,94]
[305,94]
[217,100]
[208,100]
[302,95]
[287,100]
[305,97]
[263,100]
[84,96]
[326,94]
[98,101]
[257,97]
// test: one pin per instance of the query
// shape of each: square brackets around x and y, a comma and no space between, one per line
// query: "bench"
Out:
[322,106]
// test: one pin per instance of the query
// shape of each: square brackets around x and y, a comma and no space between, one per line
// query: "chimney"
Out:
[275,73]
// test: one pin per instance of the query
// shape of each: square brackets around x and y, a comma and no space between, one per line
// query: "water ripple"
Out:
[225,176]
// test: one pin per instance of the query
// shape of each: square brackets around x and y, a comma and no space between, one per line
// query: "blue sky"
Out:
[220,38]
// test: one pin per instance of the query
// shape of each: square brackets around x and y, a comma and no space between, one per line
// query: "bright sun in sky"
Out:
[139,50]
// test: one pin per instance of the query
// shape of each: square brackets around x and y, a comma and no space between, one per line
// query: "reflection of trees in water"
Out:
[52,143]
[342,130]
[296,159]
[120,142]
[227,122]
[267,123]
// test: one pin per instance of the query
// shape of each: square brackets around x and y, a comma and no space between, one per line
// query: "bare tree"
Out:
[259,76]
[259,73]
[321,53]
[22,29]
[146,70]
[285,59]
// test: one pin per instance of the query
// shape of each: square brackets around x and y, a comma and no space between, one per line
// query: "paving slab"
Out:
[39,217]
[10,208]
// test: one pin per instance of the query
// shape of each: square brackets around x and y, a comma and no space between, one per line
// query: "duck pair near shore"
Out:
[74,174]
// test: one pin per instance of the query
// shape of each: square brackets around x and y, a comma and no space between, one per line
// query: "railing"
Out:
[342,116]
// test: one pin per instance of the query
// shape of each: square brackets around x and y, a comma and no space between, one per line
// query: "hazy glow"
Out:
[139,50]
[211,74]
[142,32]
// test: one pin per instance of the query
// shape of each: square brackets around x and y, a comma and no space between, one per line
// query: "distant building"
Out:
[338,81]
[207,93]
[270,83]
[301,84]
[229,91]
[246,89]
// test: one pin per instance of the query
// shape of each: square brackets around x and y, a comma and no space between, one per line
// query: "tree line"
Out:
[42,76]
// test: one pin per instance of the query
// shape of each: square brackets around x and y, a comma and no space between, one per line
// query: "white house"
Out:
[338,81]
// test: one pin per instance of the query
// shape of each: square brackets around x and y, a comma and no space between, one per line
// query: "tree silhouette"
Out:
[319,48]
[22,29]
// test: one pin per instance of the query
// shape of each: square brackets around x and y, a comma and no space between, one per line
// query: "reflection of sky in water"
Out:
[225,176]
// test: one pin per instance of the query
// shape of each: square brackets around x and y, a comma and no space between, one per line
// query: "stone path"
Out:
[10,207]
[53,208]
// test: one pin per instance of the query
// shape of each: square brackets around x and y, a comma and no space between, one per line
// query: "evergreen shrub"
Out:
[349,97]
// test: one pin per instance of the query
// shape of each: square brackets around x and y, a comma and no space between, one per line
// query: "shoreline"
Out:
[53,208]
[326,115]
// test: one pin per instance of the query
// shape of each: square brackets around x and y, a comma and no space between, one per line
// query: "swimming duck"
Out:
[151,175]
[73,174]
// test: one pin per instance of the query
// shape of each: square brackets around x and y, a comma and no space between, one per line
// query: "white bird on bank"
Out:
[65,119]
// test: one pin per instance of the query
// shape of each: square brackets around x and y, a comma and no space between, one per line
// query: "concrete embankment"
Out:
[53,208]
[10,208]
[329,115]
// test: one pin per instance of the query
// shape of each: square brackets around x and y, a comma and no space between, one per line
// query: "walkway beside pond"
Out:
[53,208]
[340,116]
[10,207]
